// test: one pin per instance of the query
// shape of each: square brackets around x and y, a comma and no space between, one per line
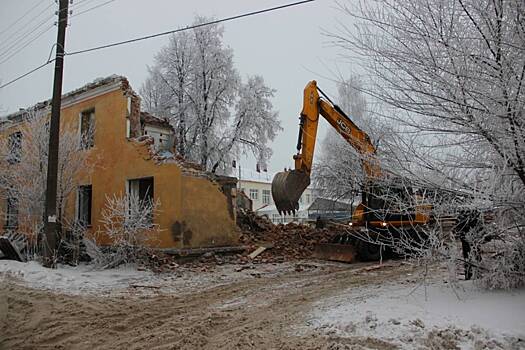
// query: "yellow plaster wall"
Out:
[202,230]
[187,204]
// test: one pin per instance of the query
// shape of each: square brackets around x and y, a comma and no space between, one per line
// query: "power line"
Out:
[19,45]
[6,29]
[82,3]
[12,49]
[14,43]
[7,42]
[25,26]
[189,27]
[92,8]
[26,44]
[26,74]
[253,13]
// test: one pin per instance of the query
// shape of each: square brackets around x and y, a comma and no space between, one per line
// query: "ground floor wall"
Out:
[193,211]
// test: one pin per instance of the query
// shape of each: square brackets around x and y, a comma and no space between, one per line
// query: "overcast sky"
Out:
[286,47]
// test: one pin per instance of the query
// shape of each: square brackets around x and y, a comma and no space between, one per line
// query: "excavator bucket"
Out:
[287,188]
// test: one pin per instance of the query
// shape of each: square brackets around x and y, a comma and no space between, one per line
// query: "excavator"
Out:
[380,217]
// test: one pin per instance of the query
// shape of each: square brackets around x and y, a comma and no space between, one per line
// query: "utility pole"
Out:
[50,217]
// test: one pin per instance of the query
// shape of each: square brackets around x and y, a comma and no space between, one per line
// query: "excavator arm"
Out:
[288,186]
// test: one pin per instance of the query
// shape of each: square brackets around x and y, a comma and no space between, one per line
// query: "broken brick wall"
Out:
[133,112]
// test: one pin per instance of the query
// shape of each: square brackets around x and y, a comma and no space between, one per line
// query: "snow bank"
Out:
[404,315]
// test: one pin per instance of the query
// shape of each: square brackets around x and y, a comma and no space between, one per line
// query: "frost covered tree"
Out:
[128,223]
[23,169]
[452,73]
[254,123]
[194,84]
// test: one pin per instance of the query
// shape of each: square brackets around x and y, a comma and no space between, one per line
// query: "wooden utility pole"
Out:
[50,218]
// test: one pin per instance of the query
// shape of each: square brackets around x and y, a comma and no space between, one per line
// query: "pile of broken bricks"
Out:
[278,243]
[265,243]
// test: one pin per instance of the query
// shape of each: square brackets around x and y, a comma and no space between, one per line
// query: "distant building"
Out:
[330,209]
[258,187]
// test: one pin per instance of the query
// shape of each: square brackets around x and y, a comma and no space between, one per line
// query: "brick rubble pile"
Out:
[285,242]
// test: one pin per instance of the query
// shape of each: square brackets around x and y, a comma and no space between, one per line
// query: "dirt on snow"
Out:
[251,312]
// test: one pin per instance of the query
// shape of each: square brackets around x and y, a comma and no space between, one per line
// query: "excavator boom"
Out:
[288,186]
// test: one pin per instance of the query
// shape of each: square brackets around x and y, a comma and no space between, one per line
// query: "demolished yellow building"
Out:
[196,208]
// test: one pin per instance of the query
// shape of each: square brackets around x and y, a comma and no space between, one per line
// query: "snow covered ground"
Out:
[73,280]
[384,308]
[435,316]
[84,280]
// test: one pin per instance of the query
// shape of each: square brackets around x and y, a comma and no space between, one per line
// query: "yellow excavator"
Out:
[376,214]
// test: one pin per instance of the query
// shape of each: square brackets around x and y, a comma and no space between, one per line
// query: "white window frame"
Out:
[254,194]
[266,196]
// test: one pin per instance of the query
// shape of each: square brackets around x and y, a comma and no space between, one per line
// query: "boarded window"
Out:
[85,195]
[266,196]
[87,129]
[11,220]
[15,148]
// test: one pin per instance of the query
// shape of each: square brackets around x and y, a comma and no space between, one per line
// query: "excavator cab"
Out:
[388,202]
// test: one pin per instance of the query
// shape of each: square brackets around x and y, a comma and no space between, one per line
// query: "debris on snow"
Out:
[12,245]
[256,252]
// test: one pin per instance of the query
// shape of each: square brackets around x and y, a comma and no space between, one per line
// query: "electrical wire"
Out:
[91,8]
[19,44]
[189,27]
[13,37]
[82,3]
[253,13]
[7,40]
[27,73]
[5,49]
[26,44]
[10,26]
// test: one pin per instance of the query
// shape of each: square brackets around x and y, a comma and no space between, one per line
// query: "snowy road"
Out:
[307,305]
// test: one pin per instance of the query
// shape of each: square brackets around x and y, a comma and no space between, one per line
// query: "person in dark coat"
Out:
[467,226]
